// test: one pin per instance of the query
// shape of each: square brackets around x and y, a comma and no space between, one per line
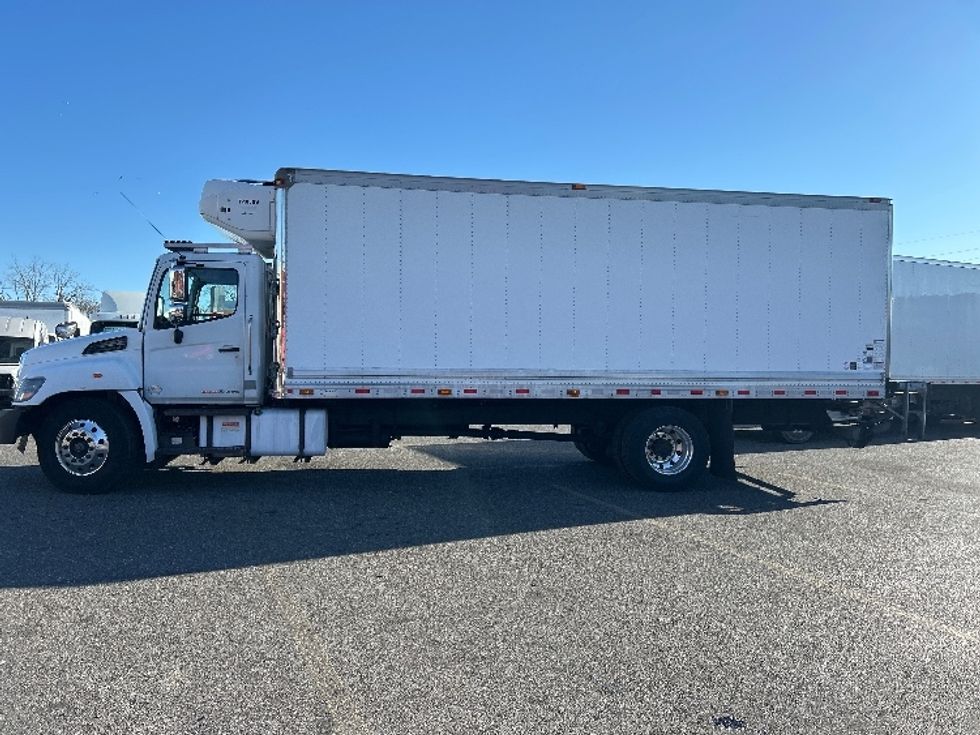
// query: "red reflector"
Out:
[362,391]
[655,392]
[469,391]
[809,392]
[622,391]
[840,392]
[418,391]
[522,391]
[744,392]
[578,187]
[289,390]
[697,392]
[873,394]
[779,392]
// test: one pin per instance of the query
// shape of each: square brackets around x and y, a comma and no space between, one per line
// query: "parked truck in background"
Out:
[17,335]
[360,308]
[53,314]
[935,358]
[118,309]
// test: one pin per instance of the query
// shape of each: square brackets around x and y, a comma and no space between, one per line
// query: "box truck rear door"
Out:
[194,351]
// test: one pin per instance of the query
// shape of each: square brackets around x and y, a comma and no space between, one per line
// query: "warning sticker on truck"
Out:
[872,360]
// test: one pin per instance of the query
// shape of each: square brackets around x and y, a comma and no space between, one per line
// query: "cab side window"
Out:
[212,293]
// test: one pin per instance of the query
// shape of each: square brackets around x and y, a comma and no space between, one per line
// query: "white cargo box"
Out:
[935,321]
[398,285]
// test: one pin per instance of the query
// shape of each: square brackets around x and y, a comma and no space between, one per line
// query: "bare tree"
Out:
[67,285]
[39,280]
[28,281]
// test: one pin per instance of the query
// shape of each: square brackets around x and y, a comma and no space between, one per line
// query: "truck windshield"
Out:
[11,348]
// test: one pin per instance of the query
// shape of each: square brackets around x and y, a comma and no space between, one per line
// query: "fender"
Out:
[144,414]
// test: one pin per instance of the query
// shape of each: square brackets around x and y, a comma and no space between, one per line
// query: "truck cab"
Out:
[100,403]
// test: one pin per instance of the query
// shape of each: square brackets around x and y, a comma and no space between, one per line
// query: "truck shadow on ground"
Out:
[188,519]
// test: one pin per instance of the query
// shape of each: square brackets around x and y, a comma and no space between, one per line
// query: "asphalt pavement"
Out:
[501,587]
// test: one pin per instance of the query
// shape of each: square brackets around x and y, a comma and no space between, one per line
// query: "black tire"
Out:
[660,432]
[102,452]
[592,445]
[799,435]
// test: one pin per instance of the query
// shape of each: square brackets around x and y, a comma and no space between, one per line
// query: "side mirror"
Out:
[66,330]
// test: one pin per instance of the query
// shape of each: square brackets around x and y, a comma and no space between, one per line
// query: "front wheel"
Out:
[662,448]
[86,446]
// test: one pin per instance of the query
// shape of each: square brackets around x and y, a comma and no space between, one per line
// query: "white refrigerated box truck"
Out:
[358,308]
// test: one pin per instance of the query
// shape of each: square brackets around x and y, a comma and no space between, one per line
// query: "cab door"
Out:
[194,348]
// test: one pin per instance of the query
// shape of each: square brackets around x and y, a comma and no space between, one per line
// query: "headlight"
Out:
[26,389]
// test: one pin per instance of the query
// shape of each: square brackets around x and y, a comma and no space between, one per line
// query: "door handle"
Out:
[229,348]
[248,344]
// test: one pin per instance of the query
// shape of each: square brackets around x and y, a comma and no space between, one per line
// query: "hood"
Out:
[75,347]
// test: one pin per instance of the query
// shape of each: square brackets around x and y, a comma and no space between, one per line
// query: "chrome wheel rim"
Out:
[669,450]
[82,447]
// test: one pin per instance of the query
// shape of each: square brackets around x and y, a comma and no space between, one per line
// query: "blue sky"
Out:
[152,99]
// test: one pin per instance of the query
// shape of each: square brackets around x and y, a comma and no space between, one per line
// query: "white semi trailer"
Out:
[935,354]
[359,308]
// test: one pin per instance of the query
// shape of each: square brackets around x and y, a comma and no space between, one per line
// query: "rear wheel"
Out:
[86,446]
[662,448]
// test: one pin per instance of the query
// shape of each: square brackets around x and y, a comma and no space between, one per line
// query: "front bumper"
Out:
[9,422]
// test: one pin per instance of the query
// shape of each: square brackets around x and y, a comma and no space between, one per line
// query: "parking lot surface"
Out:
[509,587]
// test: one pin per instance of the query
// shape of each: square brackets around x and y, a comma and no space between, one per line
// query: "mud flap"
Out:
[721,431]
